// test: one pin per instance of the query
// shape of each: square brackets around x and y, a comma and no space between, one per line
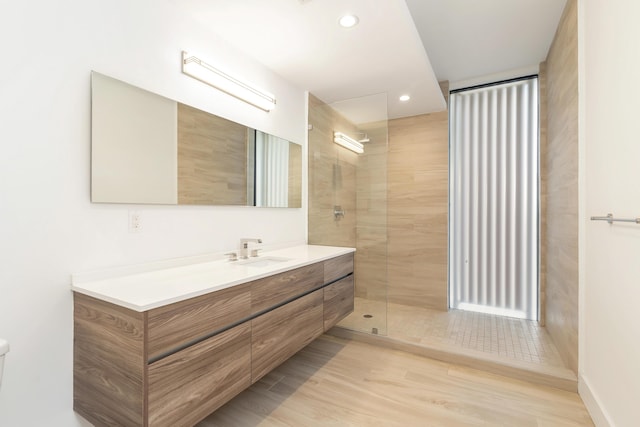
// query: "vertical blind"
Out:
[493,217]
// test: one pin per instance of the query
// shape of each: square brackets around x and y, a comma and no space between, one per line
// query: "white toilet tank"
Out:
[4,348]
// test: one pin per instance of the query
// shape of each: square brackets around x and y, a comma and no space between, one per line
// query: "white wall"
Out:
[48,227]
[610,273]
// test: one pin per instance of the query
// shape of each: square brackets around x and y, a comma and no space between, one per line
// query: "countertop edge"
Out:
[85,289]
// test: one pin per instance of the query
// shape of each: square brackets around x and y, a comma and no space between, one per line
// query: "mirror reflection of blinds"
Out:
[494,193]
[272,170]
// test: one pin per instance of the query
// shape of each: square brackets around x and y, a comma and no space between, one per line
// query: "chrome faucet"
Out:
[244,247]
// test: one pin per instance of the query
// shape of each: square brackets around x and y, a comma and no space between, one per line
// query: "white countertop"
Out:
[146,290]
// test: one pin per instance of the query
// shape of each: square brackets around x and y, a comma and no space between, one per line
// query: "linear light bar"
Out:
[200,70]
[348,142]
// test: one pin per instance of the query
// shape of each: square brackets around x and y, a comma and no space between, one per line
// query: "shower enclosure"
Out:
[391,203]
[348,197]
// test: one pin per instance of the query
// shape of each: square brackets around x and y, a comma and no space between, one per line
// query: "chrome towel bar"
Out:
[610,219]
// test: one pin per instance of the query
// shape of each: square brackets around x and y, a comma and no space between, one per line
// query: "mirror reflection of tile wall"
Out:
[212,159]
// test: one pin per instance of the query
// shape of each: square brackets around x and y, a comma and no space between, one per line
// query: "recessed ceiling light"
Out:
[405,98]
[348,21]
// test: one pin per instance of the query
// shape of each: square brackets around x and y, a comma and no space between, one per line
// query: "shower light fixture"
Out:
[365,137]
[348,142]
[200,70]
[404,98]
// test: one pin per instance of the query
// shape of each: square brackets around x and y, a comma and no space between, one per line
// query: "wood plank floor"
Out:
[336,382]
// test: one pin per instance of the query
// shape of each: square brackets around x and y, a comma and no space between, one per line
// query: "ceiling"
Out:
[466,39]
[398,46]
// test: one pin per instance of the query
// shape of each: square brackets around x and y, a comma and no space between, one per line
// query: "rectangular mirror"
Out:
[146,148]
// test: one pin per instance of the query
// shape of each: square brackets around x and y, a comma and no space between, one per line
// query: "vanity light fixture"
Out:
[348,21]
[348,142]
[200,70]
[404,98]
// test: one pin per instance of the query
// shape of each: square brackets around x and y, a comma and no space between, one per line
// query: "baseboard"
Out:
[591,401]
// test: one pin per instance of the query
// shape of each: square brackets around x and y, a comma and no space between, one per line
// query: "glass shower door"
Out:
[348,198]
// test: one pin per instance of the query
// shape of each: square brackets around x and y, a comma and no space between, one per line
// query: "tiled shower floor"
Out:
[497,336]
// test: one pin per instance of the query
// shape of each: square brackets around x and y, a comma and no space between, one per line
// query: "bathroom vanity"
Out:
[170,346]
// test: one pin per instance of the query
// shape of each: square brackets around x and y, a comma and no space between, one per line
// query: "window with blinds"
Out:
[494,198]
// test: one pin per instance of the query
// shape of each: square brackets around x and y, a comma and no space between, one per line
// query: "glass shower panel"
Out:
[348,198]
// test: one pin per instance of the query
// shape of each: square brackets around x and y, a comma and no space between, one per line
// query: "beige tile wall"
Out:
[332,178]
[371,200]
[542,88]
[562,188]
[417,210]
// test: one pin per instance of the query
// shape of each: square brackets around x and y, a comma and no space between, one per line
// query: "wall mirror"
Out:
[146,148]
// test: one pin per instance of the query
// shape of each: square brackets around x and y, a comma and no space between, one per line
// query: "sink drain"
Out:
[368,316]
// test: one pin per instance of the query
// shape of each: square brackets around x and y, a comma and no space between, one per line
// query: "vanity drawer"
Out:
[178,324]
[188,385]
[338,267]
[280,333]
[338,301]
[272,291]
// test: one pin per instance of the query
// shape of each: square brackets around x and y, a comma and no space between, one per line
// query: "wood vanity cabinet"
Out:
[338,301]
[108,363]
[188,385]
[279,334]
[275,290]
[176,325]
[339,293]
[338,267]
[176,364]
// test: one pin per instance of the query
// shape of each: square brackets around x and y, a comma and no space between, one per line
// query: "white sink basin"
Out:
[262,261]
